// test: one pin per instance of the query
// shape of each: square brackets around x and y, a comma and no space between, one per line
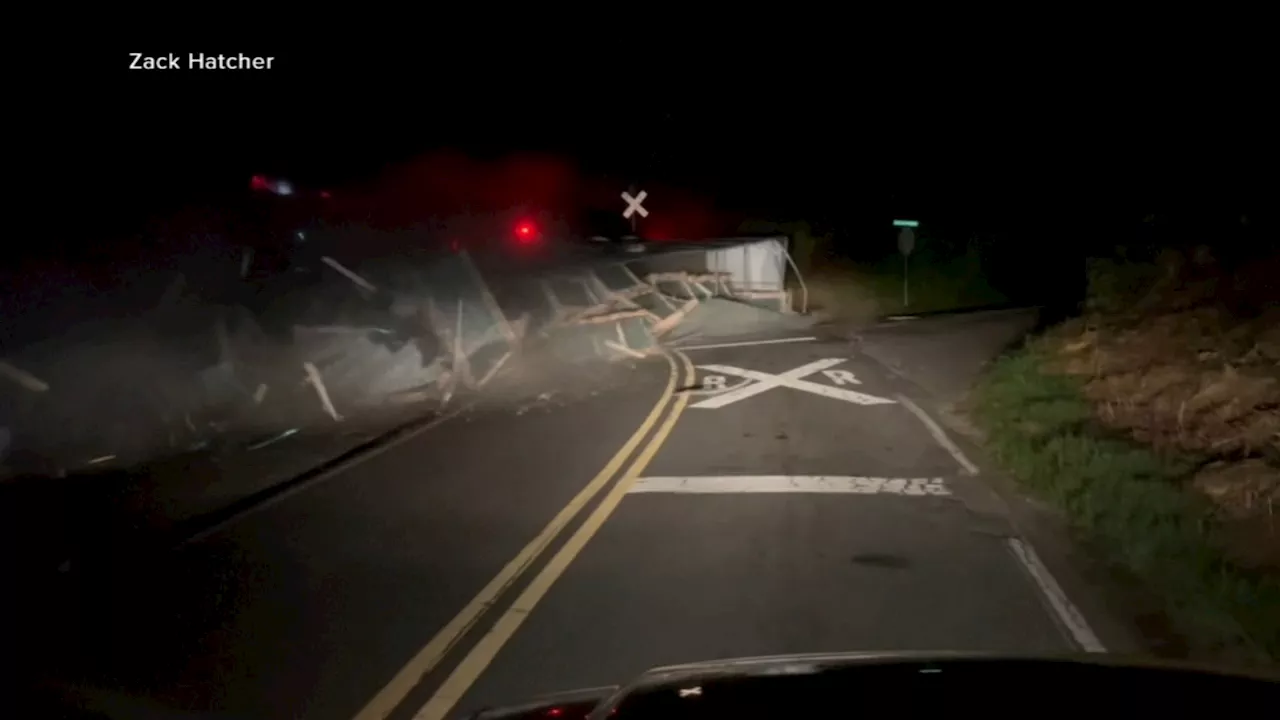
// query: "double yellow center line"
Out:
[471,666]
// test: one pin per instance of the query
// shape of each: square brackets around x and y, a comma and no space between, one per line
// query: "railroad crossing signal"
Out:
[634,205]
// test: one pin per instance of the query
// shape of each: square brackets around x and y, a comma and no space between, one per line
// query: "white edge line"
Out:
[1070,616]
[748,343]
[938,434]
[811,484]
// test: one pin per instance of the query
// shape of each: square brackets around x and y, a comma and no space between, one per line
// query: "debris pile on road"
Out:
[599,313]
[234,386]
[240,356]
[719,318]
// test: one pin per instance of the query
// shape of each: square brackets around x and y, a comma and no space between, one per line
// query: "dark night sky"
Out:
[1046,145]
[824,137]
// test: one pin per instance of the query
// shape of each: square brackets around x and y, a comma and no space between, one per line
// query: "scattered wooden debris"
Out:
[665,325]
[313,375]
[349,274]
[23,378]
[612,317]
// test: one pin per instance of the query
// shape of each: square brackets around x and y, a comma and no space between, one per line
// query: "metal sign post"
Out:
[906,243]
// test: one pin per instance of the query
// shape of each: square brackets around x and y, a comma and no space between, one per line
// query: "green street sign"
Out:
[906,223]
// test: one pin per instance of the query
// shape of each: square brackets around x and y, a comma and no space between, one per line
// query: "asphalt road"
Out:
[502,555]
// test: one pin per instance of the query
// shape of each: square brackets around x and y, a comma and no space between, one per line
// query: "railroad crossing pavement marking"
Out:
[793,379]
[833,484]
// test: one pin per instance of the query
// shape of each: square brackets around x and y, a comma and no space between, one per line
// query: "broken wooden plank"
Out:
[490,302]
[575,315]
[461,359]
[23,378]
[496,367]
[611,317]
[654,278]
[349,274]
[668,323]
[313,375]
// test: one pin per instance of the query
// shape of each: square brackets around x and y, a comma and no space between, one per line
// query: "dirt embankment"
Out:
[1183,355]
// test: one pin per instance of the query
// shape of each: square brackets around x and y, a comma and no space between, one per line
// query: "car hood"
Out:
[691,681]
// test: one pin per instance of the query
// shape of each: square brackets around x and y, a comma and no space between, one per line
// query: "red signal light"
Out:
[526,232]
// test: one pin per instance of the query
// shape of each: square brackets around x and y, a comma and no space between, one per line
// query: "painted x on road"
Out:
[792,379]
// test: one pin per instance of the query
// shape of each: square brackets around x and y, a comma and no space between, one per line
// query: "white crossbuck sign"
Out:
[633,204]
[759,382]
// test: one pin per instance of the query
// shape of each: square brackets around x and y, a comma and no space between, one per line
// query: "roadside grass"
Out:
[866,290]
[933,285]
[1128,501]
